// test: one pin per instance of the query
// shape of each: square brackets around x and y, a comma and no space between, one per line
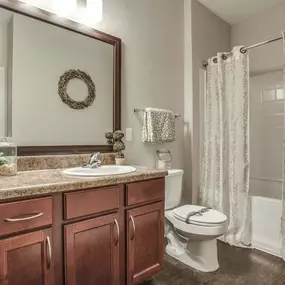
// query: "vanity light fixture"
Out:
[64,8]
[87,12]
[90,13]
[97,7]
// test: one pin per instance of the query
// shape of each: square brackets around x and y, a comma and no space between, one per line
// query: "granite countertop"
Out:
[38,182]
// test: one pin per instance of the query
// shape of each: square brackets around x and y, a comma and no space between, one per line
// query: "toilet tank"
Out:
[173,188]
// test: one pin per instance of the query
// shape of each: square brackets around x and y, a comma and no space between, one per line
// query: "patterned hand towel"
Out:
[158,126]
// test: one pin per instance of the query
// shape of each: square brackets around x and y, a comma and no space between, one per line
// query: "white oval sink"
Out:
[105,170]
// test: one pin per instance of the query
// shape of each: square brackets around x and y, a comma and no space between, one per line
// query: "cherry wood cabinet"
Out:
[145,243]
[145,192]
[26,259]
[97,201]
[107,236]
[25,215]
[92,251]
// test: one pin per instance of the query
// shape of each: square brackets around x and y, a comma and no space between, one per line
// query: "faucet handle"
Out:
[94,161]
[94,157]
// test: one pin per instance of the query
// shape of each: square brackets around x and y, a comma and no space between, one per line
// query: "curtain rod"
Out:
[245,49]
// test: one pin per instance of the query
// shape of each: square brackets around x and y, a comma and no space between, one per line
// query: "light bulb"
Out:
[64,8]
[88,15]
[92,13]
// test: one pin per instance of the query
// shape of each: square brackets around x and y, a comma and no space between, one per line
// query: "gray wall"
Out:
[164,44]
[210,35]
[3,50]
[152,33]
[188,101]
[161,61]
[259,28]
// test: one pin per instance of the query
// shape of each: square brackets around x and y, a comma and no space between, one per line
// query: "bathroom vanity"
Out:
[55,229]
[101,235]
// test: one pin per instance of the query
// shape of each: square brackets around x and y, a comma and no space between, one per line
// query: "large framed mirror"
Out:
[60,85]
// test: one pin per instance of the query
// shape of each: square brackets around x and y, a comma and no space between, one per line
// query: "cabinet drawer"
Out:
[145,191]
[24,215]
[88,202]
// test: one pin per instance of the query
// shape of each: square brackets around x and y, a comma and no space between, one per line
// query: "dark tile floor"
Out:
[238,266]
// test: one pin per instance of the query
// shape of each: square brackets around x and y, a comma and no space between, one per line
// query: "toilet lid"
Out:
[209,218]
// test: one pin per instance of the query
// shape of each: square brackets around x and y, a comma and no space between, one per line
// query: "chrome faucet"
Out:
[94,161]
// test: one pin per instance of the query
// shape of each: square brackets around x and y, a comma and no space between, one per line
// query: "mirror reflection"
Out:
[56,86]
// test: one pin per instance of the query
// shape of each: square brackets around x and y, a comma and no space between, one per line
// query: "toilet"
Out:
[193,243]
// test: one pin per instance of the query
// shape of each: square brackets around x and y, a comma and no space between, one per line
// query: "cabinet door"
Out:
[26,259]
[92,251]
[145,242]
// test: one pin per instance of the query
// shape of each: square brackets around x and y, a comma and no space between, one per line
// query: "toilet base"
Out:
[200,255]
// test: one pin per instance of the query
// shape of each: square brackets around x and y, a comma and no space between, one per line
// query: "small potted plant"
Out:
[120,158]
[118,147]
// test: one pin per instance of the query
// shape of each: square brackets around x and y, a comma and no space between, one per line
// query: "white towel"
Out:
[158,126]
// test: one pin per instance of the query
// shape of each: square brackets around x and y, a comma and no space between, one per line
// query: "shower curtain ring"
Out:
[224,56]
[242,50]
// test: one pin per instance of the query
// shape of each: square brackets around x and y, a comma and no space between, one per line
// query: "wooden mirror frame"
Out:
[50,18]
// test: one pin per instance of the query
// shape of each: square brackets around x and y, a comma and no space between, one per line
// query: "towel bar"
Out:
[137,110]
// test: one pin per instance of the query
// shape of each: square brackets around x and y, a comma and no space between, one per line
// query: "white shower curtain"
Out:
[225,167]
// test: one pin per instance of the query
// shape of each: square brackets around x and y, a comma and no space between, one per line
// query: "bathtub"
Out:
[266,224]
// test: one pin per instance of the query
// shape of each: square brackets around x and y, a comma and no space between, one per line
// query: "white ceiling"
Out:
[234,11]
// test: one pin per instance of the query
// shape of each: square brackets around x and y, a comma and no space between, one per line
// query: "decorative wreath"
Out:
[62,86]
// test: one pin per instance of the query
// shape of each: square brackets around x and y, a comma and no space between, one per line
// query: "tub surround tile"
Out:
[27,163]
[37,182]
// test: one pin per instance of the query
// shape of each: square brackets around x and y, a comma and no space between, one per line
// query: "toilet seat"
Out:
[210,218]
[200,230]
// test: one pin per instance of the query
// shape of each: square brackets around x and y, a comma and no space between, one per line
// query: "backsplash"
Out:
[26,163]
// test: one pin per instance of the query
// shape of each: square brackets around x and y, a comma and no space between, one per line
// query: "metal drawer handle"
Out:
[134,228]
[48,245]
[118,231]
[13,220]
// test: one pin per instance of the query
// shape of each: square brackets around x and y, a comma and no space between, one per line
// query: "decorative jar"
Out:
[164,159]
[8,157]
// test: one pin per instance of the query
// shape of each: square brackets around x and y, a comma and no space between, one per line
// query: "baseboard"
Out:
[267,246]
[264,246]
